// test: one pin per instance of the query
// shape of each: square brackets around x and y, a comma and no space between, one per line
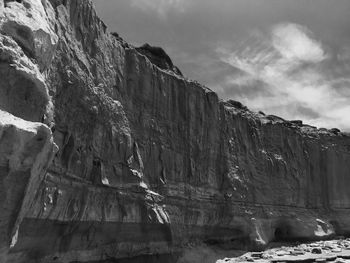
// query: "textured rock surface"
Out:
[26,149]
[335,251]
[148,162]
[158,57]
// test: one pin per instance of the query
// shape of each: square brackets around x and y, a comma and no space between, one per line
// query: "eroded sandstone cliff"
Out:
[105,155]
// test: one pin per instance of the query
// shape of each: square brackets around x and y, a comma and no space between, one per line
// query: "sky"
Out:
[289,58]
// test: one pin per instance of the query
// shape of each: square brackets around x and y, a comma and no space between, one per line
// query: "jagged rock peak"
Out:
[159,57]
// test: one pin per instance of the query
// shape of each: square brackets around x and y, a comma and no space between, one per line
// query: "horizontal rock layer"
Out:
[148,162]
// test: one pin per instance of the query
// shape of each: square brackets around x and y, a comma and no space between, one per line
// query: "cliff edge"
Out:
[107,152]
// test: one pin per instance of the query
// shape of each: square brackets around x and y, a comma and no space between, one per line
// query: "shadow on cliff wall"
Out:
[157,258]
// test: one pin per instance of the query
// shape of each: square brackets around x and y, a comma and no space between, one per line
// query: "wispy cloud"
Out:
[160,7]
[291,70]
[295,42]
[296,71]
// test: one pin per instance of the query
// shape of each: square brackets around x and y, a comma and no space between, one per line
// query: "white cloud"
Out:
[161,7]
[291,65]
[295,42]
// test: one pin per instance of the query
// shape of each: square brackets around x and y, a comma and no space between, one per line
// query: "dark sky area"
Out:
[285,57]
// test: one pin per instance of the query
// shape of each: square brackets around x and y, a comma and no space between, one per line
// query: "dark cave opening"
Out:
[278,234]
[282,233]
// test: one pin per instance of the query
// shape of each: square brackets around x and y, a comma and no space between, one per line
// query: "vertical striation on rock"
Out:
[26,150]
[108,152]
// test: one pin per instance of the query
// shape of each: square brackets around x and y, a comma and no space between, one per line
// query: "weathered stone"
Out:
[30,23]
[256,254]
[158,57]
[297,122]
[26,150]
[297,252]
[316,250]
[149,163]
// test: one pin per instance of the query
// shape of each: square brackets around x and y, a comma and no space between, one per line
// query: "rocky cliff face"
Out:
[105,155]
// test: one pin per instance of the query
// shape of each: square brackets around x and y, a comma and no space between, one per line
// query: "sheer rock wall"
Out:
[104,155]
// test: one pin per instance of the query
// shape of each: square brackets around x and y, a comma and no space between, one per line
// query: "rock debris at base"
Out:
[337,251]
